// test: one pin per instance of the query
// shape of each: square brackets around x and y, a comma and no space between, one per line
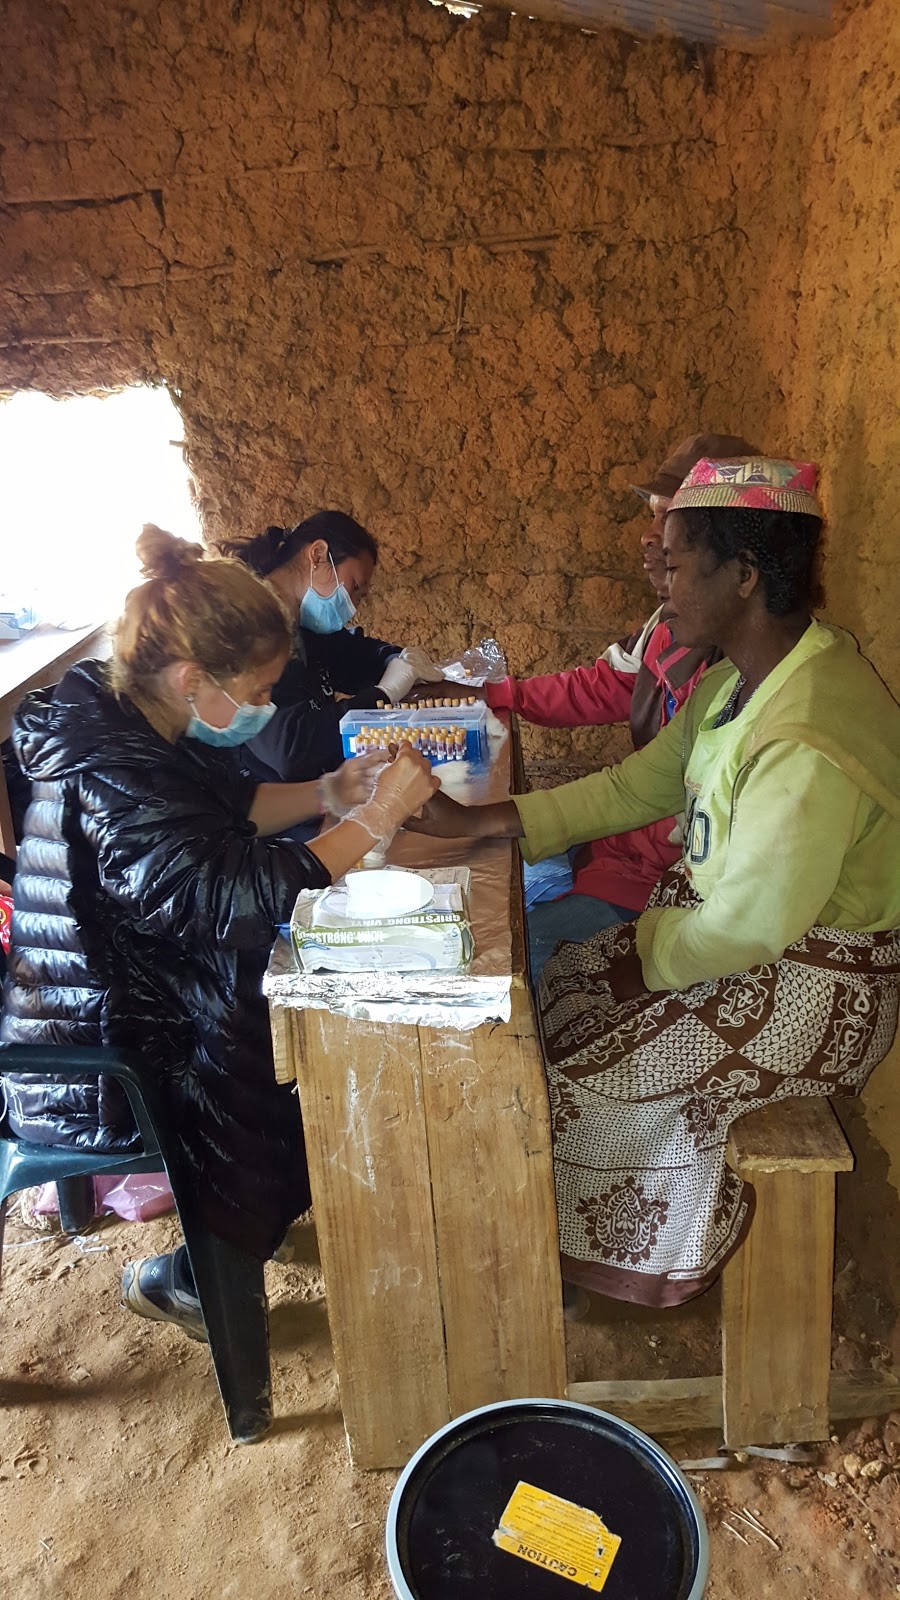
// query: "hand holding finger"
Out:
[442,817]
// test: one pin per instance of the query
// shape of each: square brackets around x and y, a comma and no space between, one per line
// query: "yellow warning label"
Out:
[557,1535]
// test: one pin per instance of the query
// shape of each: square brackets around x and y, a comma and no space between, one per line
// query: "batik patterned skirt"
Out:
[643,1092]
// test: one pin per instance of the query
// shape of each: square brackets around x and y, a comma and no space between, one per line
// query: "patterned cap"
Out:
[754,482]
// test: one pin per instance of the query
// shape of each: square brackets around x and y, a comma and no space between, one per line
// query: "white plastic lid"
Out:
[387,892]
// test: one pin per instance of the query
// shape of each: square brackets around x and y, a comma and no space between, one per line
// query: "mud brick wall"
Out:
[466,279]
[842,383]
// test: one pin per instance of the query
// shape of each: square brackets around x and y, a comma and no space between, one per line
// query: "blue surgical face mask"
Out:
[246,723]
[327,613]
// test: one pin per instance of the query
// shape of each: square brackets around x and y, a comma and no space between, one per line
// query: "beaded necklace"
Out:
[729,711]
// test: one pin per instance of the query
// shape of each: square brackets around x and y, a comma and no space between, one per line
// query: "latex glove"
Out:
[412,665]
[401,788]
[426,671]
[352,784]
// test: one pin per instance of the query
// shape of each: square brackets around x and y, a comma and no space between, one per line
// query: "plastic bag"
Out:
[547,880]
[137,1198]
[482,663]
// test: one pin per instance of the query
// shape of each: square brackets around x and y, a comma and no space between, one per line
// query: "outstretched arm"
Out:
[581,697]
[645,787]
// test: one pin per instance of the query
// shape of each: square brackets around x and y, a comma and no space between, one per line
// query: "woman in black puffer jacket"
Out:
[149,885]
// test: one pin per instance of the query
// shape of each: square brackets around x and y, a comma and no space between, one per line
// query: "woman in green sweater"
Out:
[768,961]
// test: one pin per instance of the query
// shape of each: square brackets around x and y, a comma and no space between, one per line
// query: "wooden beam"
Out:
[679,1405]
[863,1394]
[658,1405]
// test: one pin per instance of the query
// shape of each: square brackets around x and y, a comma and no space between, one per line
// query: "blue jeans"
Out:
[576,917]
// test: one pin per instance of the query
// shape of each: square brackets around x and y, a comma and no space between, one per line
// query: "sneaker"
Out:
[149,1289]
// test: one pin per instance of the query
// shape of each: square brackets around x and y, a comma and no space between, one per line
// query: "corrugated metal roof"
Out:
[743,24]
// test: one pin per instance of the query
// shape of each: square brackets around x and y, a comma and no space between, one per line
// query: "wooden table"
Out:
[32,662]
[432,1176]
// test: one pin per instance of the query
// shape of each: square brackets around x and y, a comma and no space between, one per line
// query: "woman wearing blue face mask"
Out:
[150,882]
[321,570]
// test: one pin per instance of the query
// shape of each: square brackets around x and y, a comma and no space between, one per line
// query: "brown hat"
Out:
[699,447]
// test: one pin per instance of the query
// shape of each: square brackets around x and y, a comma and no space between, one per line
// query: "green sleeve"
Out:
[645,787]
[794,820]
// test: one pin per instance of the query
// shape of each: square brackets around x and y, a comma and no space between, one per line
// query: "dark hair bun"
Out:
[277,546]
[162,555]
[262,554]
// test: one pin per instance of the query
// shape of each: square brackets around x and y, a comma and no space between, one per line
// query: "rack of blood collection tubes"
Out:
[442,729]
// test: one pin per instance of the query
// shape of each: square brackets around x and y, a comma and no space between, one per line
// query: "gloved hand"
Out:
[401,788]
[351,784]
[412,665]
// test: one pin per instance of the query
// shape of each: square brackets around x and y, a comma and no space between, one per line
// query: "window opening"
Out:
[79,477]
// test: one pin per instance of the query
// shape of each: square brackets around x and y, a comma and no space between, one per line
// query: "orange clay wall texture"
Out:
[466,279]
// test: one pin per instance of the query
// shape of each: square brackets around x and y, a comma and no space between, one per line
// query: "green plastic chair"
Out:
[230,1284]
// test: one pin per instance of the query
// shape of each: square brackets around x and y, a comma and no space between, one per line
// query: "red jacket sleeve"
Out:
[583,697]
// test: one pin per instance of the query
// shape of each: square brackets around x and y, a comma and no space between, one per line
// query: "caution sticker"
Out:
[557,1535]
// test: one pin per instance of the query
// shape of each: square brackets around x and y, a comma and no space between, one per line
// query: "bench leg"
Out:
[776,1314]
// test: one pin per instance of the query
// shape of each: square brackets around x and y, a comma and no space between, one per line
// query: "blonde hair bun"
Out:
[163,555]
[194,608]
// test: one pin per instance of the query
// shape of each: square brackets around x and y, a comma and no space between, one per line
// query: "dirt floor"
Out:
[117,1479]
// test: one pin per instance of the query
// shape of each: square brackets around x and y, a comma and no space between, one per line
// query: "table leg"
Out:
[360,1092]
[491,1159]
[7,836]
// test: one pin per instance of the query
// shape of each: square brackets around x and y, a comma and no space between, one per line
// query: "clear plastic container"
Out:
[15,622]
[446,730]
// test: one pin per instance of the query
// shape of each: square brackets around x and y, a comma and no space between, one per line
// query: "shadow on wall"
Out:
[851,497]
[881,1101]
[867,1265]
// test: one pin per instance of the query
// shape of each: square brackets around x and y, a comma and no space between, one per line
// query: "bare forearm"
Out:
[279,806]
[499,821]
[447,819]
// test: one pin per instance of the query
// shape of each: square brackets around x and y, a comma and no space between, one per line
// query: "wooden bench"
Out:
[776,1385]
